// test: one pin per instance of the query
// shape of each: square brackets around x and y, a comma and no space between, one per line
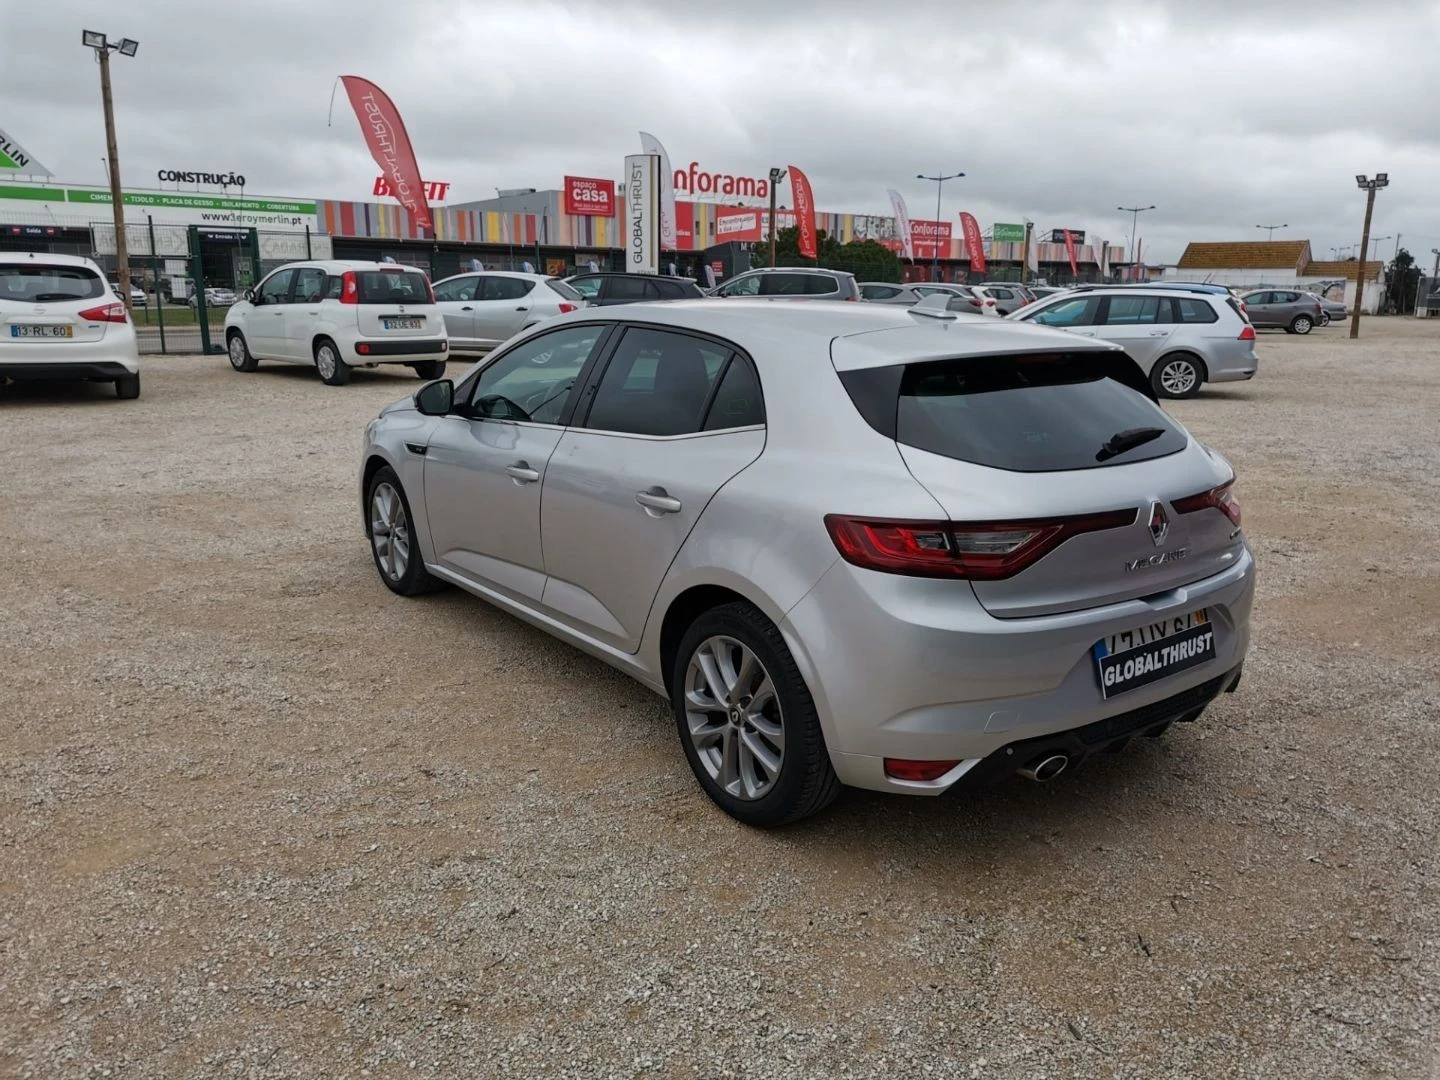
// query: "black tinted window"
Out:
[737,401]
[505,288]
[562,289]
[820,284]
[785,284]
[1194,310]
[1046,413]
[879,292]
[624,288]
[37,283]
[672,290]
[657,383]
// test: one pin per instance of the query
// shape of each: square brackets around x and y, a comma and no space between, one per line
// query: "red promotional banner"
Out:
[930,239]
[974,246]
[586,195]
[1070,252]
[389,145]
[804,213]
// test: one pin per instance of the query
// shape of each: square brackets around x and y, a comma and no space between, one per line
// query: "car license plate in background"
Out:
[40,330]
[403,324]
[1154,651]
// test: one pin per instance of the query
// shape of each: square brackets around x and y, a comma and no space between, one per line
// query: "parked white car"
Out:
[60,319]
[339,315]
[483,309]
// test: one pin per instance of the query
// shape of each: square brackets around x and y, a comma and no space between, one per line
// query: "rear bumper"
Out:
[369,351]
[90,370]
[1230,362]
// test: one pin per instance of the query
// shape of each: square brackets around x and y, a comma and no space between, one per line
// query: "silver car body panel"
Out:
[898,666]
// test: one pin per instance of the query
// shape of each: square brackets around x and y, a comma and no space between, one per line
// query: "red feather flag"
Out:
[974,245]
[804,213]
[389,144]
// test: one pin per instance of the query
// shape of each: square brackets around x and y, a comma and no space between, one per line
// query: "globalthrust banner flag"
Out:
[974,246]
[389,144]
[902,223]
[804,213]
[651,145]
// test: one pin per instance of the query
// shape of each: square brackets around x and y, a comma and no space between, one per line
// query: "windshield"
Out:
[38,283]
[392,287]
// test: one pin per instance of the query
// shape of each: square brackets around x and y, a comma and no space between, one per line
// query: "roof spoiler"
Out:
[934,306]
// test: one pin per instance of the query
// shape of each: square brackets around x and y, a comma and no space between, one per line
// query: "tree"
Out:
[1402,281]
[866,259]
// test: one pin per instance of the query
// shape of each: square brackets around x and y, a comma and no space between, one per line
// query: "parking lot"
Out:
[260,817]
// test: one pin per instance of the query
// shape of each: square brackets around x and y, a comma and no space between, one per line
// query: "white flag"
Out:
[1032,256]
[902,223]
[651,145]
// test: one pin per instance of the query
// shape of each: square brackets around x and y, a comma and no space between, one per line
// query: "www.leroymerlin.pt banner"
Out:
[389,144]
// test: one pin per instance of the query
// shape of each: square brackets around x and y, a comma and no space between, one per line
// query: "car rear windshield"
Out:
[392,287]
[39,283]
[1034,413]
[565,290]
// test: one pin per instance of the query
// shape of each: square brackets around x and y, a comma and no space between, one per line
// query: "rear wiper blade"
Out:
[1128,439]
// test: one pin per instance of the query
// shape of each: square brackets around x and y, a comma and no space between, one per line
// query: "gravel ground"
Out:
[259,817]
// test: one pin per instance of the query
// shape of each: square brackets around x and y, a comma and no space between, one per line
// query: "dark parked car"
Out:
[1282,309]
[605,290]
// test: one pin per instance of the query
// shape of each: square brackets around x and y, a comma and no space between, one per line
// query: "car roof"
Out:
[863,335]
[1135,290]
[501,273]
[798,270]
[47,258]
[623,274]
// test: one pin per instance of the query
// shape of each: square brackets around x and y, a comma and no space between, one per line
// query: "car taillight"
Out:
[976,303]
[989,303]
[565,308]
[105,313]
[1221,498]
[349,288]
[1247,334]
[977,551]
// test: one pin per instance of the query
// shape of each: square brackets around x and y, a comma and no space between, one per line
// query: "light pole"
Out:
[1270,229]
[125,47]
[1134,212]
[1025,253]
[1375,251]
[1369,187]
[939,188]
[777,176]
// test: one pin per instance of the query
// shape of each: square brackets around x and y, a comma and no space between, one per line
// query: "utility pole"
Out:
[1025,255]
[1369,187]
[939,187]
[776,177]
[103,48]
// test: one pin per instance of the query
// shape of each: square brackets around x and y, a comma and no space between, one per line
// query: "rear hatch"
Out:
[1065,486]
[54,304]
[392,302]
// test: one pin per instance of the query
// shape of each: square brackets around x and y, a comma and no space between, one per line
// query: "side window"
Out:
[276,288]
[1132,310]
[1077,311]
[532,381]
[1194,310]
[821,285]
[505,288]
[588,287]
[784,284]
[460,288]
[671,290]
[742,286]
[1257,299]
[657,383]
[310,284]
[629,288]
[737,402]
[879,292]
[332,287]
[1288,298]
[999,294]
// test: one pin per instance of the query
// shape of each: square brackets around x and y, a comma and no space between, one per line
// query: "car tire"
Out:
[429,370]
[128,387]
[718,740]
[239,351]
[388,518]
[1301,324]
[333,370]
[1178,375]
[1324,318]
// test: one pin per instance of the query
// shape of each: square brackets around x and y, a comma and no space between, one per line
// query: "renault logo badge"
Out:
[1159,523]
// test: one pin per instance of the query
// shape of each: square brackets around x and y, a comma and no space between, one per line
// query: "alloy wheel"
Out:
[389,531]
[733,718]
[325,361]
[1178,377]
[237,352]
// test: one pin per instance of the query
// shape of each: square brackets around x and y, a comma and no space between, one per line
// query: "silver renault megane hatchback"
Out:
[893,548]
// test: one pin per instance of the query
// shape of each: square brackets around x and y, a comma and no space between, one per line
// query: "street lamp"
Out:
[1270,229]
[777,177]
[939,187]
[1369,187]
[1134,212]
[93,39]
[1376,241]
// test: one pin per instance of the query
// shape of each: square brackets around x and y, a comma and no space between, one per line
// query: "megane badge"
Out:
[1159,523]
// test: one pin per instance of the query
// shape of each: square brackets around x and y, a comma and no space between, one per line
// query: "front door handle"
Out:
[522,309]
[657,501]
[467,307]
[522,473]
[1159,333]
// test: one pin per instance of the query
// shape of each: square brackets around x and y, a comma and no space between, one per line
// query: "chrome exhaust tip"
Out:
[1046,768]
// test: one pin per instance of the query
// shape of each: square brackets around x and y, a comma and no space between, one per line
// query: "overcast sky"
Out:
[1224,115]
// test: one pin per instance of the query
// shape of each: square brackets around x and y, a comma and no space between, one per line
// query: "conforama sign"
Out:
[697,181]
[587,195]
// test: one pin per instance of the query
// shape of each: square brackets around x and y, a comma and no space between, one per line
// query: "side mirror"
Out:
[436,398]
[249,295]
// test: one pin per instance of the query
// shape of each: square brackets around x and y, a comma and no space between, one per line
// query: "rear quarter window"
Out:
[565,290]
[1044,413]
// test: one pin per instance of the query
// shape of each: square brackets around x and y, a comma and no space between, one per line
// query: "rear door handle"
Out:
[467,307]
[522,309]
[1159,333]
[657,501]
[522,473]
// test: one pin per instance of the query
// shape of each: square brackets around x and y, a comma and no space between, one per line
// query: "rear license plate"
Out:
[41,330]
[1152,652]
[403,324]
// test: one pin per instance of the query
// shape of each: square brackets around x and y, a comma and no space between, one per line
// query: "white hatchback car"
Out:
[483,309]
[60,319]
[339,315]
